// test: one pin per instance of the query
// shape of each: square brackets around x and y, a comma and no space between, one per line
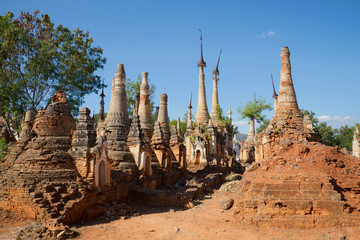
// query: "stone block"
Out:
[93,212]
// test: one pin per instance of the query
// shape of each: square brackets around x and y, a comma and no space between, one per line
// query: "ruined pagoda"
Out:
[202,113]
[118,115]
[118,124]
[288,122]
[144,110]
[287,103]
[163,117]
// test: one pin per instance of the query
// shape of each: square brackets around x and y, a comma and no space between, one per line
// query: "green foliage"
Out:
[37,59]
[185,117]
[345,136]
[132,88]
[97,116]
[263,125]
[226,121]
[3,148]
[182,125]
[253,109]
[341,137]
[314,120]
[327,134]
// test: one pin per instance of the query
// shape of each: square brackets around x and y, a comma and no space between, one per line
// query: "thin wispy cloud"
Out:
[266,34]
[241,123]
[337,119]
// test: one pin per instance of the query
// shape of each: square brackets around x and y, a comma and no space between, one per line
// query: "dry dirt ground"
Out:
[206,220]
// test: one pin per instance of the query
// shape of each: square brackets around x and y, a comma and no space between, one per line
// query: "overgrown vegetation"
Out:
[182,125]
[341,137]
[253,110]
[226,121]
[263,125]
[37,59]
[3,148]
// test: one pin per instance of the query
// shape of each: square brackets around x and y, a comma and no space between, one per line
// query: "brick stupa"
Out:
[39,177]
[296,182]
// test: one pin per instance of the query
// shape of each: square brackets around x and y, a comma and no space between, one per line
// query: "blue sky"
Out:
[162,38]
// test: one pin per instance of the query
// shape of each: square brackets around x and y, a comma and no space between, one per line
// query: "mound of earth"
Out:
[303,185]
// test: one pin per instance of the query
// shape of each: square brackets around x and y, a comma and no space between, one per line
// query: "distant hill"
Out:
[241,137]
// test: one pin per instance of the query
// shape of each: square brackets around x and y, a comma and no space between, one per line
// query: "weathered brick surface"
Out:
[308,190]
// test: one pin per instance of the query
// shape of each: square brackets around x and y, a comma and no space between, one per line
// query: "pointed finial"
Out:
[190,101]
[201,62]
[216,70]
[274,94]
[230,112]
[102,95]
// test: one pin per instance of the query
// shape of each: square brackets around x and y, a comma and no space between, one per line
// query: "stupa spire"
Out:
[118,115]
[102,103]
[230,112]
[163,117]
[189,127]
[274,92]
[201,62]
[275,96]
[287,103]
[215,95]
[202,113]
[144,107]
[216,70]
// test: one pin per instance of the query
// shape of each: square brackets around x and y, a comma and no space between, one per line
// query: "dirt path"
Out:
[205,221]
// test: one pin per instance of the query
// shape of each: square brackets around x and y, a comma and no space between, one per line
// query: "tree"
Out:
[37,59]
[344,137]
[341,137]
[182,125]
[132,88]
[311,114]
[186,116]
[253,110]
[3,148]
[226,121]
[327,134]
[263,125]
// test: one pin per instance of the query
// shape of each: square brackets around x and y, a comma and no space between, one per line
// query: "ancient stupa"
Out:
[296,182]
[144,107]
[202,113]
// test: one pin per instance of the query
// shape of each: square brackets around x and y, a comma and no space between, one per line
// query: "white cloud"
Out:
[265,35]
[241,123]
[337,119]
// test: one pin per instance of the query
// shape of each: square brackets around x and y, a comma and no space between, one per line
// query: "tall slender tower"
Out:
[202,113]
[215,96]
[189,127]
[111,98]
[118,115]
[144,107]
[163,117]
[287,103]
[102,104]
